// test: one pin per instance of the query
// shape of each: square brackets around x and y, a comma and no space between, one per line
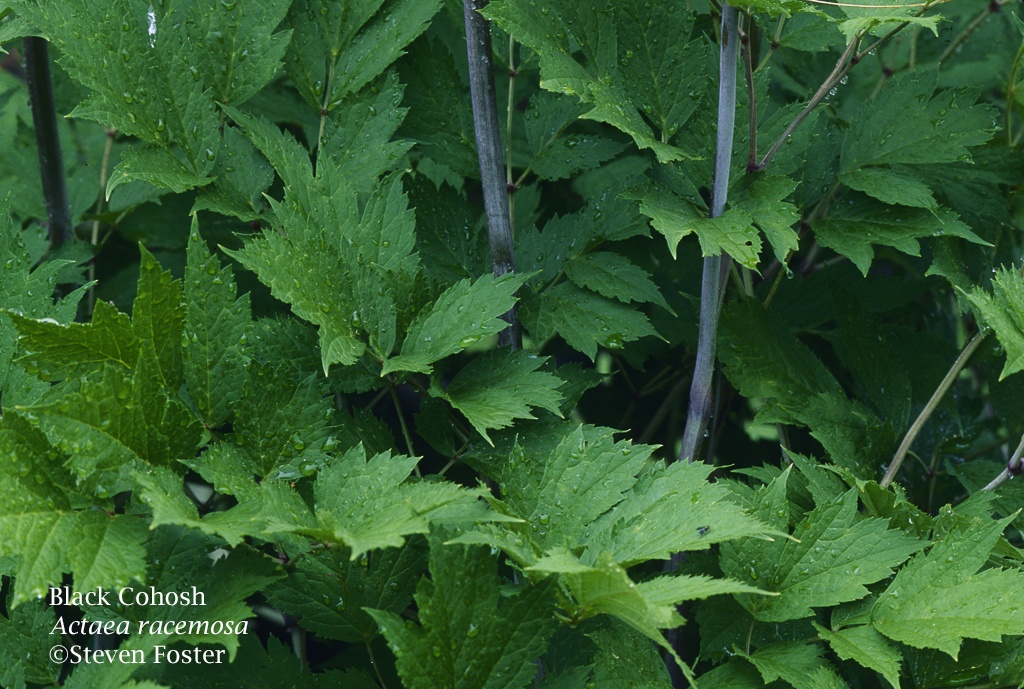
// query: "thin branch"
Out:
[1013,468]
[936,397]
[51,160]
[488,146]
[716,268]
[838,72]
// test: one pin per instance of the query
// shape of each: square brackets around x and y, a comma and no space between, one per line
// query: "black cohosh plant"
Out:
[565,344]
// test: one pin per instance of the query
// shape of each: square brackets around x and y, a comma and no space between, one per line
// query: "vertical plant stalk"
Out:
[936,397]
[51,160]
[488,146]
[716,268]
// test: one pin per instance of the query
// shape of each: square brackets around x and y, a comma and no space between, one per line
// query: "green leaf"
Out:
[1003,311]
[46,535]
[583,319]
[940,598]
[495,389]
[864,645]
[217,326]
[461,316]
[564,489]
[600,82]
[25,645]
[158,167]
[793,662]
[467,636]
[670,509]
[891,186]
[863,222]
[614,276]
[626,659]
[329,591]
[368,503]
[833,557]
[732,233]
[346,46]
[910,123]
[764,199]
[243,175]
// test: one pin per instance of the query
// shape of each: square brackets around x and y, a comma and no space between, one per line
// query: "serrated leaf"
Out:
[940,598]
[242,177]
[670,509]
[563,490]
[158,167]
[25,644]
[864,645]
[891,186]
[764,199]
[461,316]
[793,662]
[863,222]
[1003,311]
[614,276]
[46,535]
[328,591]
[369,503]
[599,82]
[468,637]
[732,233]
[833,557]
[499,387]
[910,123]
[626,659]
[584,319]
[214,341]
[359,39]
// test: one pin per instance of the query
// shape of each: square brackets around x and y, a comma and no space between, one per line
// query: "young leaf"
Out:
[1003,311]
[940,598]
[499,387]
[468,637]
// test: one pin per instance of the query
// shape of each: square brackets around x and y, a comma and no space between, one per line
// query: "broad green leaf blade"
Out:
[940,598]
[499,387]
[1003,311]
[345,46]
[279,420]
[158,318]
[584,319]
[469,636]
[891,186]
[25,645]
[794,662]
[369,503]
[217,326]
[328,591]
[461,316]
[158,167]
[670,509]
[863,221]
[909,122]
[561,491]
[732,233]
[614,276]
[834,556]
[627,659]
[864,645]
[764,200]
[45,535]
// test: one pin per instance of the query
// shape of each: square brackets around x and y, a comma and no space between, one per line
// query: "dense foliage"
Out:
[267,366]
